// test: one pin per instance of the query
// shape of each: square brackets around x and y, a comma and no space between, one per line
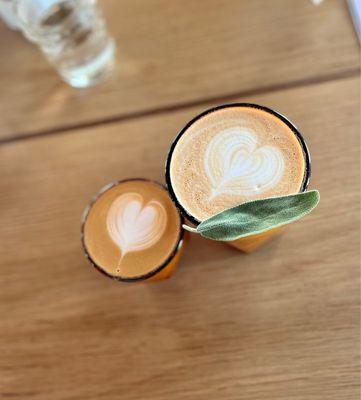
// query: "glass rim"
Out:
[137,278]
[294,129]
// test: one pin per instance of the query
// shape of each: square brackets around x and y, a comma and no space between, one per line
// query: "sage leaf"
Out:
[257,216]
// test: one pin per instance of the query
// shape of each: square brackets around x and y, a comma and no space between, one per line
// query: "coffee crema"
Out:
[132,229]
[231,155]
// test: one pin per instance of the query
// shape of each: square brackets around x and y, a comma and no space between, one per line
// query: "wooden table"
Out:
[282,323]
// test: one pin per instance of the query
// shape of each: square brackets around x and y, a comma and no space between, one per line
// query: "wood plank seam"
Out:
[354,72]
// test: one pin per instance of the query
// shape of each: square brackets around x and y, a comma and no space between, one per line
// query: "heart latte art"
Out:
[234,154]
[132,230]
[133,226]
[236,165]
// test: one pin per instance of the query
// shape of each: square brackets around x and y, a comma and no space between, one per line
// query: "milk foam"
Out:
[134,227]
[233,155]
[236,165]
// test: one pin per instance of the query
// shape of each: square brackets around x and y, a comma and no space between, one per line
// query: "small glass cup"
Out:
[159,272]
[73,36]
[250,243]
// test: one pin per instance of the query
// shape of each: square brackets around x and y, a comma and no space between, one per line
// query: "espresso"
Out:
[132,229]
[232,155]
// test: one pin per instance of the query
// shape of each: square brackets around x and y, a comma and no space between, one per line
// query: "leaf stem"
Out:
[189,228]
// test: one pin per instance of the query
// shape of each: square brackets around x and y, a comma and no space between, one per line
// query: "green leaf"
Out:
[257,216]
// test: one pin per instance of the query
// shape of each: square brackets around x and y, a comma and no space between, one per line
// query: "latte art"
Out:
[132,230]
[133,227]
[236,165]
[231,155]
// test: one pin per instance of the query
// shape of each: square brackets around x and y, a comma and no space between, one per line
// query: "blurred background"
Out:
[282,323]
[173,54]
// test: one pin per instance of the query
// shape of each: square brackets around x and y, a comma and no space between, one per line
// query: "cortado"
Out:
[233,154]
[132,231]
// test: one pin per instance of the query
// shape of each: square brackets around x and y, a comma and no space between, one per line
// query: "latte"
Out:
[234,154]
[132,231]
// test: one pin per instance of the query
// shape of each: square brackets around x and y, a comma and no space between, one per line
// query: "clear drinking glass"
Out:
[73,36]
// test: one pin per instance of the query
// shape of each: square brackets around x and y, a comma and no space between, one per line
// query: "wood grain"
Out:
[171,53]
[282,323]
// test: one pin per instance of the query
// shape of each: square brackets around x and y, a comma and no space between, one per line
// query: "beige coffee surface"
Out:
[234,155]
[132,229]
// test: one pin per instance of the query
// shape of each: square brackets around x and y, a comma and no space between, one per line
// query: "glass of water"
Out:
[73,36]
